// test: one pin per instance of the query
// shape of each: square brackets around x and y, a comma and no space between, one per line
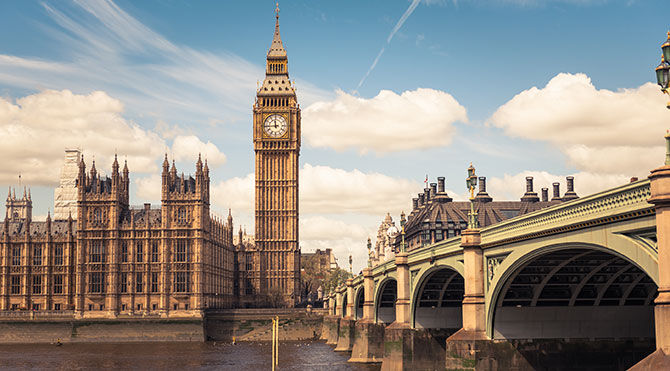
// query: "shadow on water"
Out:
[298,355]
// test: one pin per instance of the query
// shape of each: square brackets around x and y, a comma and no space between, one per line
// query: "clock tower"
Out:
[276,133]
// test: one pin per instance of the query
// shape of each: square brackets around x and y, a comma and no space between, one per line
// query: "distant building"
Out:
[326,259]
[436,217]
[175,260]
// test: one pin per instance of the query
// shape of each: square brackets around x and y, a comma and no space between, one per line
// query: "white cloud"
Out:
[186,148]
[318,232]
[417,119]
[37,128]
[326,190]
[600,131]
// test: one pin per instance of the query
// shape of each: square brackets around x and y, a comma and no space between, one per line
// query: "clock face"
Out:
[275,126]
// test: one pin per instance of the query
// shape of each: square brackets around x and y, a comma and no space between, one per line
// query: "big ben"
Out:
[276,133]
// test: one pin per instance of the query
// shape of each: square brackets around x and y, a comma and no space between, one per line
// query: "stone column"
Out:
[368,294]
[369,340]
[350,299]
[338,303]
[402,301]
[660,197]
[345,339]
[474,316]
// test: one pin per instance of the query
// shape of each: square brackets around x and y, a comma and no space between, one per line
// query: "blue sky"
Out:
[518,87]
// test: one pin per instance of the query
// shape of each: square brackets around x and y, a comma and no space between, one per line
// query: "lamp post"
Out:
[471,182]
[663,69]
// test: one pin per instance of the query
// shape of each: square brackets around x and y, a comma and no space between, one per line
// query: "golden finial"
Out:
[277,11]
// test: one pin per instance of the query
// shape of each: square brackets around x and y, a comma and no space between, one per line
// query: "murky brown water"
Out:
[183,356]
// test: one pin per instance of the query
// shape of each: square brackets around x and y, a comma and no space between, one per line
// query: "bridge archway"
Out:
[358,303]
[577,291]
[437,299]
[387,293]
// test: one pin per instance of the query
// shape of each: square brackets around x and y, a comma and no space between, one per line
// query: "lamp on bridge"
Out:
[663,69]
[471,182]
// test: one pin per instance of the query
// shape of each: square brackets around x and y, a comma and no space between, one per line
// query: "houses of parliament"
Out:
[101,257]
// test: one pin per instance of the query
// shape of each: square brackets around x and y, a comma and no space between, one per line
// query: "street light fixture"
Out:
[663,69]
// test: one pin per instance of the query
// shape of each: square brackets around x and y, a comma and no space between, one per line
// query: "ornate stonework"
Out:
[65,196]
[276,135]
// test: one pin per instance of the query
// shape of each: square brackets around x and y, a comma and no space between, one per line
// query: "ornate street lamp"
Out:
[471,182]
[663,69]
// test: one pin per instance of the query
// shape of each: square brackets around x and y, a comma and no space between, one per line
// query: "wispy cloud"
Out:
[105,48]
[395,29]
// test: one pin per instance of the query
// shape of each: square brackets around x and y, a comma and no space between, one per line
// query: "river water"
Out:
[296,355]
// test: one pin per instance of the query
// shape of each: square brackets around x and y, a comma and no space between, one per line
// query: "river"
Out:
[296,355]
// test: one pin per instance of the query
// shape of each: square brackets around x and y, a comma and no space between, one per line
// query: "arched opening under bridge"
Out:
[438,300]
[385,302]
[584,306]
[358,304]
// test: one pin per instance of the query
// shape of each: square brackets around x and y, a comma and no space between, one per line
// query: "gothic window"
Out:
[95,282]
[139,282]
[181,282]
[124,252]
[97,215]
[58,254]
[124,283]
[16,255]
[181,250]
[250,263]
[37,285]
[96,253]
[154,281]
[154,251]
[37,255]
[58,284]
[16,285]
[139,252]
[182,215]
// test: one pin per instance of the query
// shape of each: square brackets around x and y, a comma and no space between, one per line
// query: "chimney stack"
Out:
[482,196]
[570,194]
[441,195]
[545,194]
[415,203]
[426,191]
[529,196]
[433,189]
[557,191]
[421,199]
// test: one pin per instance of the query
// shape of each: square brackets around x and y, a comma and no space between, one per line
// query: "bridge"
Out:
[588,278]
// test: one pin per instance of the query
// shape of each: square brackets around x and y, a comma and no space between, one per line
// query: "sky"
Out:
[391,92]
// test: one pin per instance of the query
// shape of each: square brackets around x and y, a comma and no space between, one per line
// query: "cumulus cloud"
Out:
[416,119]
[185,148]
[318,232]
[326,190]
[600,131]
[37,128]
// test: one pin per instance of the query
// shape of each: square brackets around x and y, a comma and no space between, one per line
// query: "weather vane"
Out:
[471,182]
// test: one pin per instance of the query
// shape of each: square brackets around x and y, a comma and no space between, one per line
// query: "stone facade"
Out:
[175,260]
[275,269]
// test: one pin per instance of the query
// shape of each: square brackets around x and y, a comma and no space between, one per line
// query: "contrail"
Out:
[395,29]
